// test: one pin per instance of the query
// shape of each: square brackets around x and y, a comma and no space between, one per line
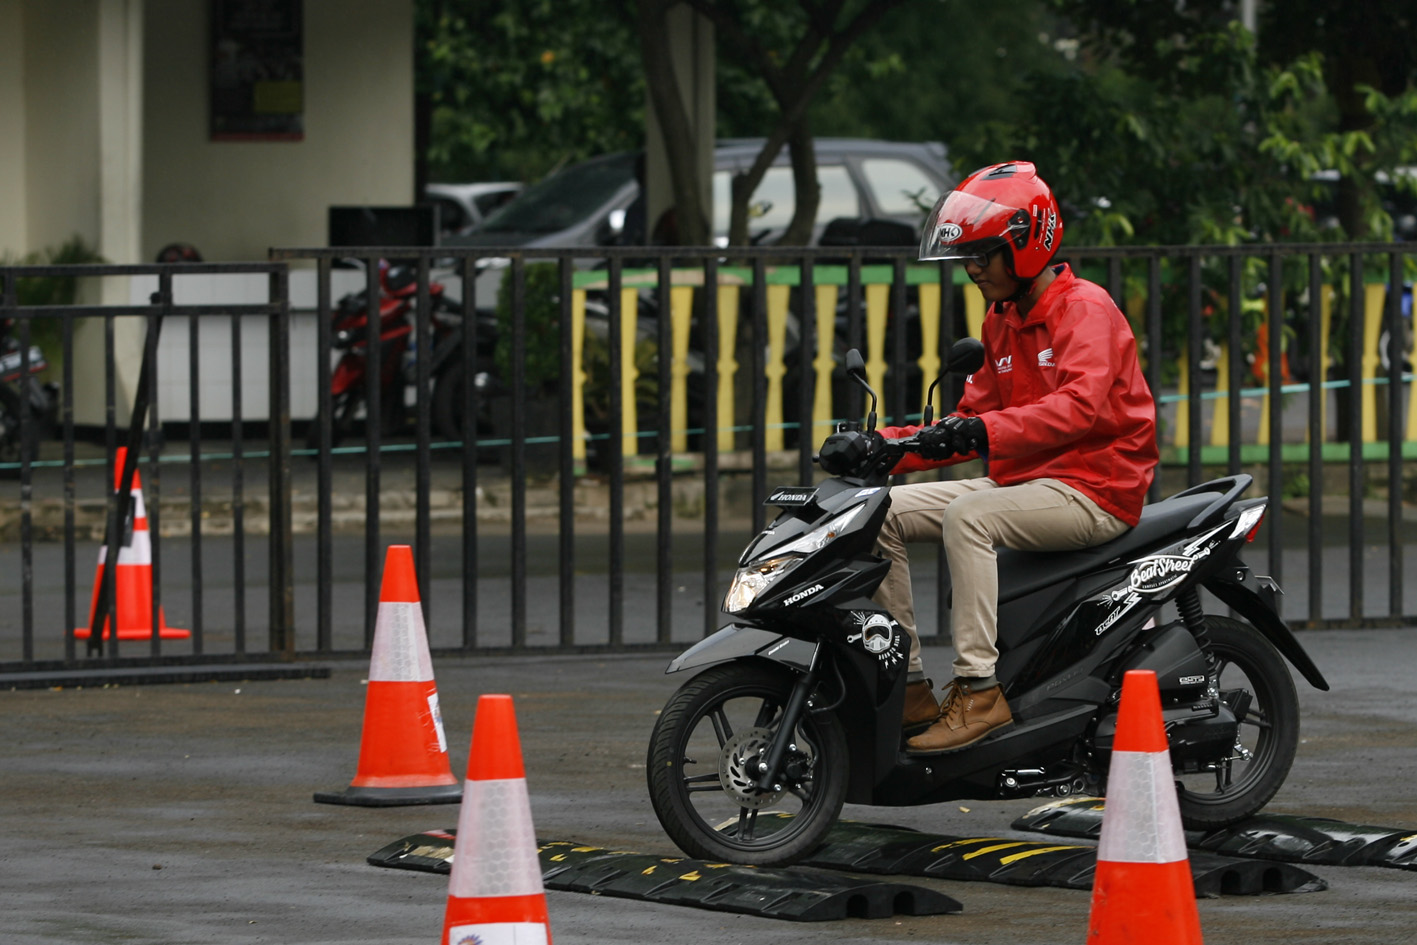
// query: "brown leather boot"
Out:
[920,705]
[966,716]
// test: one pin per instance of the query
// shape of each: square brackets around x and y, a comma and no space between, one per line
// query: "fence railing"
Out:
[555,475]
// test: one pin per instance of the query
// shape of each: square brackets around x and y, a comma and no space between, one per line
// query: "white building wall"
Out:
[60,88]
[235,199]
[12,130]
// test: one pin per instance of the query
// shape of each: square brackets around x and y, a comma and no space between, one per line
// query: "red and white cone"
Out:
[1142,891]
[495,895]
[133,579]
[403,752]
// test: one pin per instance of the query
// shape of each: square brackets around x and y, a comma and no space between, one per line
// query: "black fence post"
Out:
[282,593]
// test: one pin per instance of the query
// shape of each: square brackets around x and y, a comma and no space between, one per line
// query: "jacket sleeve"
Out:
[980,395]
[1085,356]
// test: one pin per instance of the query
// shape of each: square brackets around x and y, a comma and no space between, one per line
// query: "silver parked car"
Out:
[593,203]
[461,207]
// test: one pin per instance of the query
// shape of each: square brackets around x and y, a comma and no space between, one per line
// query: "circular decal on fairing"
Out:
[878,633]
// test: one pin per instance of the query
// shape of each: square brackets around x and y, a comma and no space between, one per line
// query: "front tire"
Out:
[702,762]
[1244,782]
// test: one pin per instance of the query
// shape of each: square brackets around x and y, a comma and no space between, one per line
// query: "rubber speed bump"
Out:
[803,895]
[901,851]
[1268,836]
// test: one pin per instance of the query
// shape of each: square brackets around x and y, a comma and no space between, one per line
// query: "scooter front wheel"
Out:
[702,768]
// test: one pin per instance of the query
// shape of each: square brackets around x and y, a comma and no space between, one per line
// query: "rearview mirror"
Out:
[966,356]
[855,364]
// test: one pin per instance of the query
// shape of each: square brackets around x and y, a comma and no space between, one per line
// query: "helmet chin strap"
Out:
[1025,286]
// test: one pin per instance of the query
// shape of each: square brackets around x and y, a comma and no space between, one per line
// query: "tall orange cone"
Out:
[403,753]
[495,896]
[133,579]
[1142,891]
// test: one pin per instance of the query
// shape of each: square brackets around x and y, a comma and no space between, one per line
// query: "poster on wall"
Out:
[257,70]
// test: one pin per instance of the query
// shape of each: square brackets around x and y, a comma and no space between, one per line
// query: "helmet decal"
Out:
[949,232]
[1050,227]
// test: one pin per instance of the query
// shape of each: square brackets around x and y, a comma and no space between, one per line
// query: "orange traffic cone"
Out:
[403,753]
[133,581]
[1142,890]
[495,896]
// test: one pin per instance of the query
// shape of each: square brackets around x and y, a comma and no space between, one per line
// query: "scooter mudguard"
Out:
[733,642]
[1252,597]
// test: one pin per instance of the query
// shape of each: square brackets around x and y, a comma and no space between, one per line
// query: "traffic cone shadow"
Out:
[403,751]
[133,578]
[495,894]
[1142,891]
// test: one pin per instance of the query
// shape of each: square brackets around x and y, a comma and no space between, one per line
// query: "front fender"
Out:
[1253,598]
[734,642]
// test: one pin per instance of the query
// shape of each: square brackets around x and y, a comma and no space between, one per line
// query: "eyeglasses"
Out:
[980,259]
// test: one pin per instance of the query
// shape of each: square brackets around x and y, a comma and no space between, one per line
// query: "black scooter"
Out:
[799,709]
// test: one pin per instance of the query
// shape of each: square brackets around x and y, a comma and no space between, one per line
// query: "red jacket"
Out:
[1062,397]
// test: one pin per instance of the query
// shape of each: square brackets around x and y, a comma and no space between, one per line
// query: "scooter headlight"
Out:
[751,581]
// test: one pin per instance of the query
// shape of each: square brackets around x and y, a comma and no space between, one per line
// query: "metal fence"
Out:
[563,486]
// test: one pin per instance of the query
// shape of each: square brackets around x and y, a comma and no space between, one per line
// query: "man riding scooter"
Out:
[1060,409]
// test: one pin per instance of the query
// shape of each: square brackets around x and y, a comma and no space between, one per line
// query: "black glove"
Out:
[967,434]
[849,453]
[935,442]
[952,436]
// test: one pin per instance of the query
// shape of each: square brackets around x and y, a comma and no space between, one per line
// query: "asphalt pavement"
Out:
[183,813]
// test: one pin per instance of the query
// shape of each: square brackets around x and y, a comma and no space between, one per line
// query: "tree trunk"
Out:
[691,226]
[806,187]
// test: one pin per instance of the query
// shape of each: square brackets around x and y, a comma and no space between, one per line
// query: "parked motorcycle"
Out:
[797,706]
[398,296]
[20,384]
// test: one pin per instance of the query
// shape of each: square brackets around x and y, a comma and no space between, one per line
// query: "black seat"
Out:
[1023,572]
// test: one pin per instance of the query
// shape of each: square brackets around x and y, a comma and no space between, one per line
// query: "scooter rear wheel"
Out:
[1243,782]
[702,768]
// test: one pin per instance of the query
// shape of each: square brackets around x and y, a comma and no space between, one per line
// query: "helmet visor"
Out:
[964,226]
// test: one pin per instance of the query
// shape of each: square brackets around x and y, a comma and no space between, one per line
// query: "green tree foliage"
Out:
[1326,87]
[1216,148]
[517,88]
[928,72]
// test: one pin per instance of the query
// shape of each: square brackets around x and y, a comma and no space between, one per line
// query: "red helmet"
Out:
[1000,205]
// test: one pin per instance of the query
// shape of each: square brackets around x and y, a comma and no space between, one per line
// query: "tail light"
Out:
[1248,523]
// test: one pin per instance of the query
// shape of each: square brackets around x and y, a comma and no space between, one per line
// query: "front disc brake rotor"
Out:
[738,768]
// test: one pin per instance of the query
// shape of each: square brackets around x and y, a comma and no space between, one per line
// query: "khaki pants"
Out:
[973,516]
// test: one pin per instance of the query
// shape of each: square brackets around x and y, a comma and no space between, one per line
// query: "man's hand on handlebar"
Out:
[952,436]
[849,453]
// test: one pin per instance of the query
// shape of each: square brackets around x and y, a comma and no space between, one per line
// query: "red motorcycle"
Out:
[398,298]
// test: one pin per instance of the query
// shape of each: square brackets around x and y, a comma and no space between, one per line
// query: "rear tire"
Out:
[702,763]
[1249,777]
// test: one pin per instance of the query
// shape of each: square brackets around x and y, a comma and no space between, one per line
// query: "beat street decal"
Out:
[1156,573]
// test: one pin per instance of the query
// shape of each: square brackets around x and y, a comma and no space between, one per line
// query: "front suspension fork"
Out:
[770,766]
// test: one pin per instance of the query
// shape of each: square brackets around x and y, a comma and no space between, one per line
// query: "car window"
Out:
[451,216]
[899,188]
[776,198]
[563,199]
[488,202]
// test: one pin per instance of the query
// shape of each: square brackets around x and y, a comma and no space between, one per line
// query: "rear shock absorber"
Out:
[1193,616]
